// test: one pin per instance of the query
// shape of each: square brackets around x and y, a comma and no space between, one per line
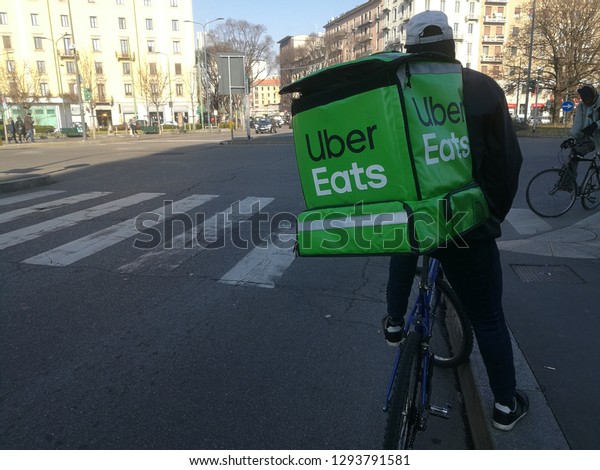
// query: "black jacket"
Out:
[495,149]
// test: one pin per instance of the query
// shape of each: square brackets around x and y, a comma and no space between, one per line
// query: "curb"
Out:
[539,430]
[24,183]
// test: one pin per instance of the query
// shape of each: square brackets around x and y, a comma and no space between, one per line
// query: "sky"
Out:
[281,18]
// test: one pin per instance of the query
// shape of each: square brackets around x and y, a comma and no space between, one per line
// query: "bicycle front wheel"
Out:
[551,192]
[590,196]
[403,413]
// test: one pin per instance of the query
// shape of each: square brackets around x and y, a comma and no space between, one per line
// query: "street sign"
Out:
[567,106]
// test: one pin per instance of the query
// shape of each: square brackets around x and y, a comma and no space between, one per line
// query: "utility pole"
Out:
[79,95]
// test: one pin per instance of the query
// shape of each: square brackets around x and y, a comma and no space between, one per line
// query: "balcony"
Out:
[66,53]
[495,19]
[503,2]
[125,56]
[366,22]
[472,17]
[499,38]
[491,59]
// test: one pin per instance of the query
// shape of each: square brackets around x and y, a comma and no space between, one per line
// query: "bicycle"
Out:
[437,332]
[552,192]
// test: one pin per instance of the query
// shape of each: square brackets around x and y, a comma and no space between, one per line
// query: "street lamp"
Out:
[169,78]
[530,59]
[205,74]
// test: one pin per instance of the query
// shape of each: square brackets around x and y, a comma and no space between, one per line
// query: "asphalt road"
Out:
[144,339]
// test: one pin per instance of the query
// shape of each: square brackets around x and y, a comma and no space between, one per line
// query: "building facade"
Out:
[125,58]
[481,28]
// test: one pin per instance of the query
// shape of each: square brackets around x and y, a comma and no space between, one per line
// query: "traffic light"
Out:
[87,94]
[532,86]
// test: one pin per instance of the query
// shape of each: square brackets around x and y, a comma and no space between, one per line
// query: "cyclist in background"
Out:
[474,271]
[585,132]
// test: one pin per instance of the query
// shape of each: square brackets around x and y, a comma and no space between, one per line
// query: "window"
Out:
[93,22]
[128,89]
[3,18]
[176,47]
[457,7]
[41,66]
[124,47]
[126,68]
[455,29]
[10,65]
[101,92]
[98,68]
[427,4]
[179,89]
[122,23]
[175,25]
[152,67]
[148,3]
[72,88]
[34,19]
[151,46]
[149,26]
[173,3]
[470,28]
[96,44]
[70,66]
[119,2]
[64,21]
[442,5]
[37,43]
[44,89]
[177,69]
[7,42]
[67,46]
[471,7]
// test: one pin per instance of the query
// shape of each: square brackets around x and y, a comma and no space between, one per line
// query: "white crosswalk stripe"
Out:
[35,231]
[78,249]
[187,244]
[263,266]
[44,207]
[6,201]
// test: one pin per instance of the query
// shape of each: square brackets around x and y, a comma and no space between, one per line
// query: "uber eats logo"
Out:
[325,145]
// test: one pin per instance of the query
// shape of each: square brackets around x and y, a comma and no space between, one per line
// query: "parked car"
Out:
[263,126]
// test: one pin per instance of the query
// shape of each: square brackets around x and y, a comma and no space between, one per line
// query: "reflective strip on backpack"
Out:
[371,220]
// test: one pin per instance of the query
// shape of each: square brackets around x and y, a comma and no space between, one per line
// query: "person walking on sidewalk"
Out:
[20,127]
[29,130]
[473,268]
[12,130]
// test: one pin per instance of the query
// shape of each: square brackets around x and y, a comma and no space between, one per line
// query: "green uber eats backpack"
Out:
[383,155]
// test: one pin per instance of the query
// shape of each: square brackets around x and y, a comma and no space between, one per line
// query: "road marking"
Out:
[76,250]
[526,222]
[27,197]
[262,266]
[35,231]
[47,206]
[187,244]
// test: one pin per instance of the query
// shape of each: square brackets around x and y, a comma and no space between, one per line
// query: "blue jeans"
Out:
[475,274]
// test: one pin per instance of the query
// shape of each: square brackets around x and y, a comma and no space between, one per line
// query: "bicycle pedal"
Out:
[440,411]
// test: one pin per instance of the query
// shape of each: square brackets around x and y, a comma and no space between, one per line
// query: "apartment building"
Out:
[118,47]
[265,97]
[481,29]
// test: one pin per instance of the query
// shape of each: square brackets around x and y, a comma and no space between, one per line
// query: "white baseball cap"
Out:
[417,24]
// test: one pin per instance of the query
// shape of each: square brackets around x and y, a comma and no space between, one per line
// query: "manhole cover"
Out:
[546,273]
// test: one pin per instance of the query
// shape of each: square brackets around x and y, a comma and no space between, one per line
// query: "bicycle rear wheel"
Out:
[403,413]
[451,339]
[551,192]
[590,196]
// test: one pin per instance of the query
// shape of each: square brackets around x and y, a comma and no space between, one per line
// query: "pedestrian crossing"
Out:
[261,264]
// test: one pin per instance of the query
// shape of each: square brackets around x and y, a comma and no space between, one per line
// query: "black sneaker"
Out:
[505,418]
[393,332]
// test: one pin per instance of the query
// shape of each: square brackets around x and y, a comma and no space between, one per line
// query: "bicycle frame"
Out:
[420,317]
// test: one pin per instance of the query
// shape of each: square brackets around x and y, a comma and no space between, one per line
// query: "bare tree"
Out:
[152,84]
[20,85]
[566,46]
